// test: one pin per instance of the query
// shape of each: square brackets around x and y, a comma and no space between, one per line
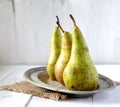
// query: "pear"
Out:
[55,47]
[65,53]
[80,73]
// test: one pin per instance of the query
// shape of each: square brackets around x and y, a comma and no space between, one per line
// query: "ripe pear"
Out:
[55,47]
[80,73]
[65,53]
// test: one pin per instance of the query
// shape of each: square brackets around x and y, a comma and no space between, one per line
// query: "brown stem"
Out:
[73,20]
[58,23]
[57,19]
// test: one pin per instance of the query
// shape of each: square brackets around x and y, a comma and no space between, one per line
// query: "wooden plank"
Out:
[13,73]
[75,102]
[107,98]
[7,76]
[25,45]
[13,99]
[7,33]
[6,70]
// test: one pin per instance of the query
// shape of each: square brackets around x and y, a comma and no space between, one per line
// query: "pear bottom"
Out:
[59,74]
[51,72]
[79,79]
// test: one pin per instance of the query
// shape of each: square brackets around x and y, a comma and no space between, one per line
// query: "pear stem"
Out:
[58,23]
[57,20]
[73,20]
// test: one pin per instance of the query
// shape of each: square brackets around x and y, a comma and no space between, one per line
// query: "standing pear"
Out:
[55,47]
[64,55]
[80,73]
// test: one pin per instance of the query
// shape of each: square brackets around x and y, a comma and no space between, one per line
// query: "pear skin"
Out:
[80,73]
[55,47]
[64,56]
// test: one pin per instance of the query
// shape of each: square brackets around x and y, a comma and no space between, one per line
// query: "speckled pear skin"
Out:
[64,56]
[80,73]
[55,47]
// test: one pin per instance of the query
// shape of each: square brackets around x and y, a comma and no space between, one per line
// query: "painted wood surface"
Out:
[14,73]
[13,99]
[26,27]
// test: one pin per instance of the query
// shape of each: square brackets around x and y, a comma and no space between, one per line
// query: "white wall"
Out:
[26,27]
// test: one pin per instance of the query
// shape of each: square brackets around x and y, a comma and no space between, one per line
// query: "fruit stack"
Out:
[69,61]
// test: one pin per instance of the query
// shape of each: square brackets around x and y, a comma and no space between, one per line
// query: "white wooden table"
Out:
[14,73]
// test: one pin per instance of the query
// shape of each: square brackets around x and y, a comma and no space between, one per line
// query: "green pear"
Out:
[64,57]
[80,73]
[55,47]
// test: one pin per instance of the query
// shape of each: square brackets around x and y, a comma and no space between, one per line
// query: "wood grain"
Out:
[26,27]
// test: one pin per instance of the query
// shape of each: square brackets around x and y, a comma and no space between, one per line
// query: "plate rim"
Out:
[36,69]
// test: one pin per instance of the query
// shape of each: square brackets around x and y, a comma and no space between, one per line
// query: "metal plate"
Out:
[39,77]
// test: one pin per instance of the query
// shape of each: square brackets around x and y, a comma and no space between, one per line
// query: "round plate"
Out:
[39,77]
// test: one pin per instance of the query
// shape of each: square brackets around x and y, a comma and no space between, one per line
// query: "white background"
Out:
[26,27]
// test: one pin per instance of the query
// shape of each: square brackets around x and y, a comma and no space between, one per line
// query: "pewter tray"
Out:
[39,77]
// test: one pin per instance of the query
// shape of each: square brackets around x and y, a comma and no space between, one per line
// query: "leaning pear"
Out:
[65,53]
[55,47]
[80,73]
